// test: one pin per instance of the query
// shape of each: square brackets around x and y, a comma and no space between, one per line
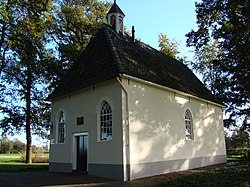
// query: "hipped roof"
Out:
[115,9]
[109,55]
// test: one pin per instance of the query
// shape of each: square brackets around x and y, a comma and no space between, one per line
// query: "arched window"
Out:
[189,125]
[120,24]
[113,21]
[105,121]
[61,128]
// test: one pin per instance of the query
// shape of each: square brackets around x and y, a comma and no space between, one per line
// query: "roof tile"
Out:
[110,54]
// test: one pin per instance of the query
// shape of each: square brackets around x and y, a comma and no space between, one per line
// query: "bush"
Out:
[40,159]
[36,158]
[239,152]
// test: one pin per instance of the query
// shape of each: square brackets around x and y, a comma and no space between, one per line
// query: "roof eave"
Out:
[172,90]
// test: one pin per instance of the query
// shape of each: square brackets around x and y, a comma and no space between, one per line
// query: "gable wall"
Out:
[85,104]
[157,131]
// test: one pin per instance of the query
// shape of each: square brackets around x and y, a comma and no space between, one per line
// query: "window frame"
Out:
[61,130]
[105,124]
[113,21]
[188,122]
[120,23]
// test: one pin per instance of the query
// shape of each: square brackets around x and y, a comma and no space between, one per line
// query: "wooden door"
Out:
[82,153]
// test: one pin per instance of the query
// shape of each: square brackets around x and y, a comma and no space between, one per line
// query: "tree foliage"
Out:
[23,26]
[76,22]
[168,47]
[239,139]
[222,51]
[11,146]
[38,41]
[204,64]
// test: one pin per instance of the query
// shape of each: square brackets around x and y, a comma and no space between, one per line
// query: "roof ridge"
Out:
[110,54]
[112,48]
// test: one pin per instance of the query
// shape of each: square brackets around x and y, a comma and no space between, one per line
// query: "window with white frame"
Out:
[61,128]
[189,125]
[105,122]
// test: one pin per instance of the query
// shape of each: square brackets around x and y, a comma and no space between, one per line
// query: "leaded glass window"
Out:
[189,125]
[106,122]
[61,128]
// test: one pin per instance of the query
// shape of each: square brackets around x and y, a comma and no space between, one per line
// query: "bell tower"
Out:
[115,18]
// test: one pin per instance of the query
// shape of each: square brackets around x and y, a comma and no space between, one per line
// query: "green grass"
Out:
[234,175]
[237,159]
[10,158]
[13,163]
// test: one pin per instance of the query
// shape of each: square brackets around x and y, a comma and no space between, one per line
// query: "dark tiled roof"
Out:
[110,54]
[116,8]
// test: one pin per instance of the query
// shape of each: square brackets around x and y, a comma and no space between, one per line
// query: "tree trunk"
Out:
[28,117]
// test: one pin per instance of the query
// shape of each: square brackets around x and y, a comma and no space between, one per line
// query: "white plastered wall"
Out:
[157,130]
[84,103]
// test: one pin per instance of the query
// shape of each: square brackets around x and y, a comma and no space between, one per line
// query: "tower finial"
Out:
[115,18]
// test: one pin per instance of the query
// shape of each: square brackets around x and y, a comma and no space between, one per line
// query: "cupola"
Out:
[115,18]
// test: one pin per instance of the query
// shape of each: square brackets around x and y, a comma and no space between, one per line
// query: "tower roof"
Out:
[115,9]
[109,55]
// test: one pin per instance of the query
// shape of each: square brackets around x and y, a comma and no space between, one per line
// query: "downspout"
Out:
[127,149]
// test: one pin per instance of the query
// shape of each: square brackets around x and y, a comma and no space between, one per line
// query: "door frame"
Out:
[74,151]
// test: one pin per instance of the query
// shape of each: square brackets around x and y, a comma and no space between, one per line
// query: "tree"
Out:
[224,32]
[28,69]
[204,65]
[76,22]
[18,146]
[168,47]
[6,145]
[239,139]
[24,59]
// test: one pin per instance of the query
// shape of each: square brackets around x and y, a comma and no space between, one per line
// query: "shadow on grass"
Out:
[231,175]
[20,167]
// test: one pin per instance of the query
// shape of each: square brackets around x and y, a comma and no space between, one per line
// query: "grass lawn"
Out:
[232,175]
[237,159]
[237,174]
[12,163]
